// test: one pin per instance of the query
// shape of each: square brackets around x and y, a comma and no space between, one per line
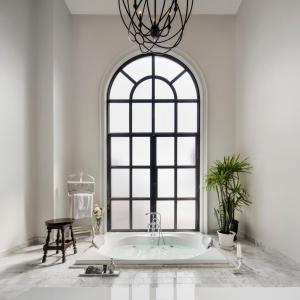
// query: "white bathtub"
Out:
[142,249]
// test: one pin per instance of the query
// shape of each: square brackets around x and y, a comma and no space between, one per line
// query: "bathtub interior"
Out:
[142,249]
[116,240]
[168,247]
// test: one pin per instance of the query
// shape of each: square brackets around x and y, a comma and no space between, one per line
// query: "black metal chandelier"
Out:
[156,26]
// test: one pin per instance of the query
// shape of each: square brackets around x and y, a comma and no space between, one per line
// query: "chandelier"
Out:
[156,26]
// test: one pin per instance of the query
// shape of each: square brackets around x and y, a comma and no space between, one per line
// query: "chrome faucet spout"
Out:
[155,226]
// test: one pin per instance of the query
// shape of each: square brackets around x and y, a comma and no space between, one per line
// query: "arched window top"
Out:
[151,77]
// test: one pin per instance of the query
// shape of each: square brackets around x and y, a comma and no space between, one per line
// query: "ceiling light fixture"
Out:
[156,26]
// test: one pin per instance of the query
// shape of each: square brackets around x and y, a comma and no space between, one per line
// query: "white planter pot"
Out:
[226,241]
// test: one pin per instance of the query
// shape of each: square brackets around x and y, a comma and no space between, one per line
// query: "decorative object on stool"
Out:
[98,214]
[224,178]
[60,244]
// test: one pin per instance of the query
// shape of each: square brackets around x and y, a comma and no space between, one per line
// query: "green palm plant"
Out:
[224,178]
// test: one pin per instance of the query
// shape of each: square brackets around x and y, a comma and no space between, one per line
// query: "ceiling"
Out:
[110,7]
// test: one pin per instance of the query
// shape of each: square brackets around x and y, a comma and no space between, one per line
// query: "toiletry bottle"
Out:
[111,267]
[104,269]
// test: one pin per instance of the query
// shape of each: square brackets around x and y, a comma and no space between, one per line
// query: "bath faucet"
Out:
[155,225]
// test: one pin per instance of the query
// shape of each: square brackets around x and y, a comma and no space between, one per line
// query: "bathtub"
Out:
[143,249]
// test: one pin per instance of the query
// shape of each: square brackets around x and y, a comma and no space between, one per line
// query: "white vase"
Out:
[97,226]
[226,241]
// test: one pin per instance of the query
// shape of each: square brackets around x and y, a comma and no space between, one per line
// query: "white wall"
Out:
[17,122]
[44,90]
[35,72]
[53,116]
[62,116]
[268,123]
[98,41]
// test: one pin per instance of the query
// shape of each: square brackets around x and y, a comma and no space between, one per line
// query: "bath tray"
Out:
[116,273]
[107,274]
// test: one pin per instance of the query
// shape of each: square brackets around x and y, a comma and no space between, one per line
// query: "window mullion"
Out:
[153,169]
[130,165]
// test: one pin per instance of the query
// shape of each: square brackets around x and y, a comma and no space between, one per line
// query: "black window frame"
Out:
[153,136]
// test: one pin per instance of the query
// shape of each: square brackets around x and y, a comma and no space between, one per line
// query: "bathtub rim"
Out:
[212,257]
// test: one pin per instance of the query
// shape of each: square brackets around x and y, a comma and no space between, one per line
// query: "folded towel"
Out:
[82,205]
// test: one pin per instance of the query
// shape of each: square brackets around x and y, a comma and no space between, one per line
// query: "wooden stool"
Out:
[60,225]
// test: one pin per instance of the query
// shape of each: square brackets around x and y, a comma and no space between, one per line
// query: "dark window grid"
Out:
[175,198]
[158,133]
[171,81]
[145,230]
[175,163]
[153,189]
[153,78]
[157,166]
[130,162]
[154,101]
[120,69]
[149,198]
[150,134]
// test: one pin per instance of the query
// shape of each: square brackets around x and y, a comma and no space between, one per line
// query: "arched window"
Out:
[153,134]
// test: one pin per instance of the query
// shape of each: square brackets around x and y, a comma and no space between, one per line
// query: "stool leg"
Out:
[57,241]
[73,239]
[63,245]
[45,248]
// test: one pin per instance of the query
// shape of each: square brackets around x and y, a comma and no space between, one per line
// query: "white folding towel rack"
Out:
[81,192]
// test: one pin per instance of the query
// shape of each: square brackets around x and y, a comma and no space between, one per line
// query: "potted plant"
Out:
[224,178]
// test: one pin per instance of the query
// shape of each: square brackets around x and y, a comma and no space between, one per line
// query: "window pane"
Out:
[187,117]
[139,211]
[186,214]
[167,68]
[141,151]
[166,209]
[120,151]
[163,90]
[141,117]
[141,183]
[121,87]
[165,151]
[186,151]
[164,117]
[143,90]
[119,183]
[119,117]
[185,87]
[119,214]
[186,182]
[165,183]
[139,68]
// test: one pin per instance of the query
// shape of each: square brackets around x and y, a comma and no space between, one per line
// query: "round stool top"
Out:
[59,222]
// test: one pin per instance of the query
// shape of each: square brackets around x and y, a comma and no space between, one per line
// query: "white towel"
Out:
[82,205]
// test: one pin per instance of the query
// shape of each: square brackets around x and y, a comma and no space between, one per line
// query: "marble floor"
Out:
[22,270]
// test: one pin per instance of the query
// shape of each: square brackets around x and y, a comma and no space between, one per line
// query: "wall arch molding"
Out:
[102,108]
